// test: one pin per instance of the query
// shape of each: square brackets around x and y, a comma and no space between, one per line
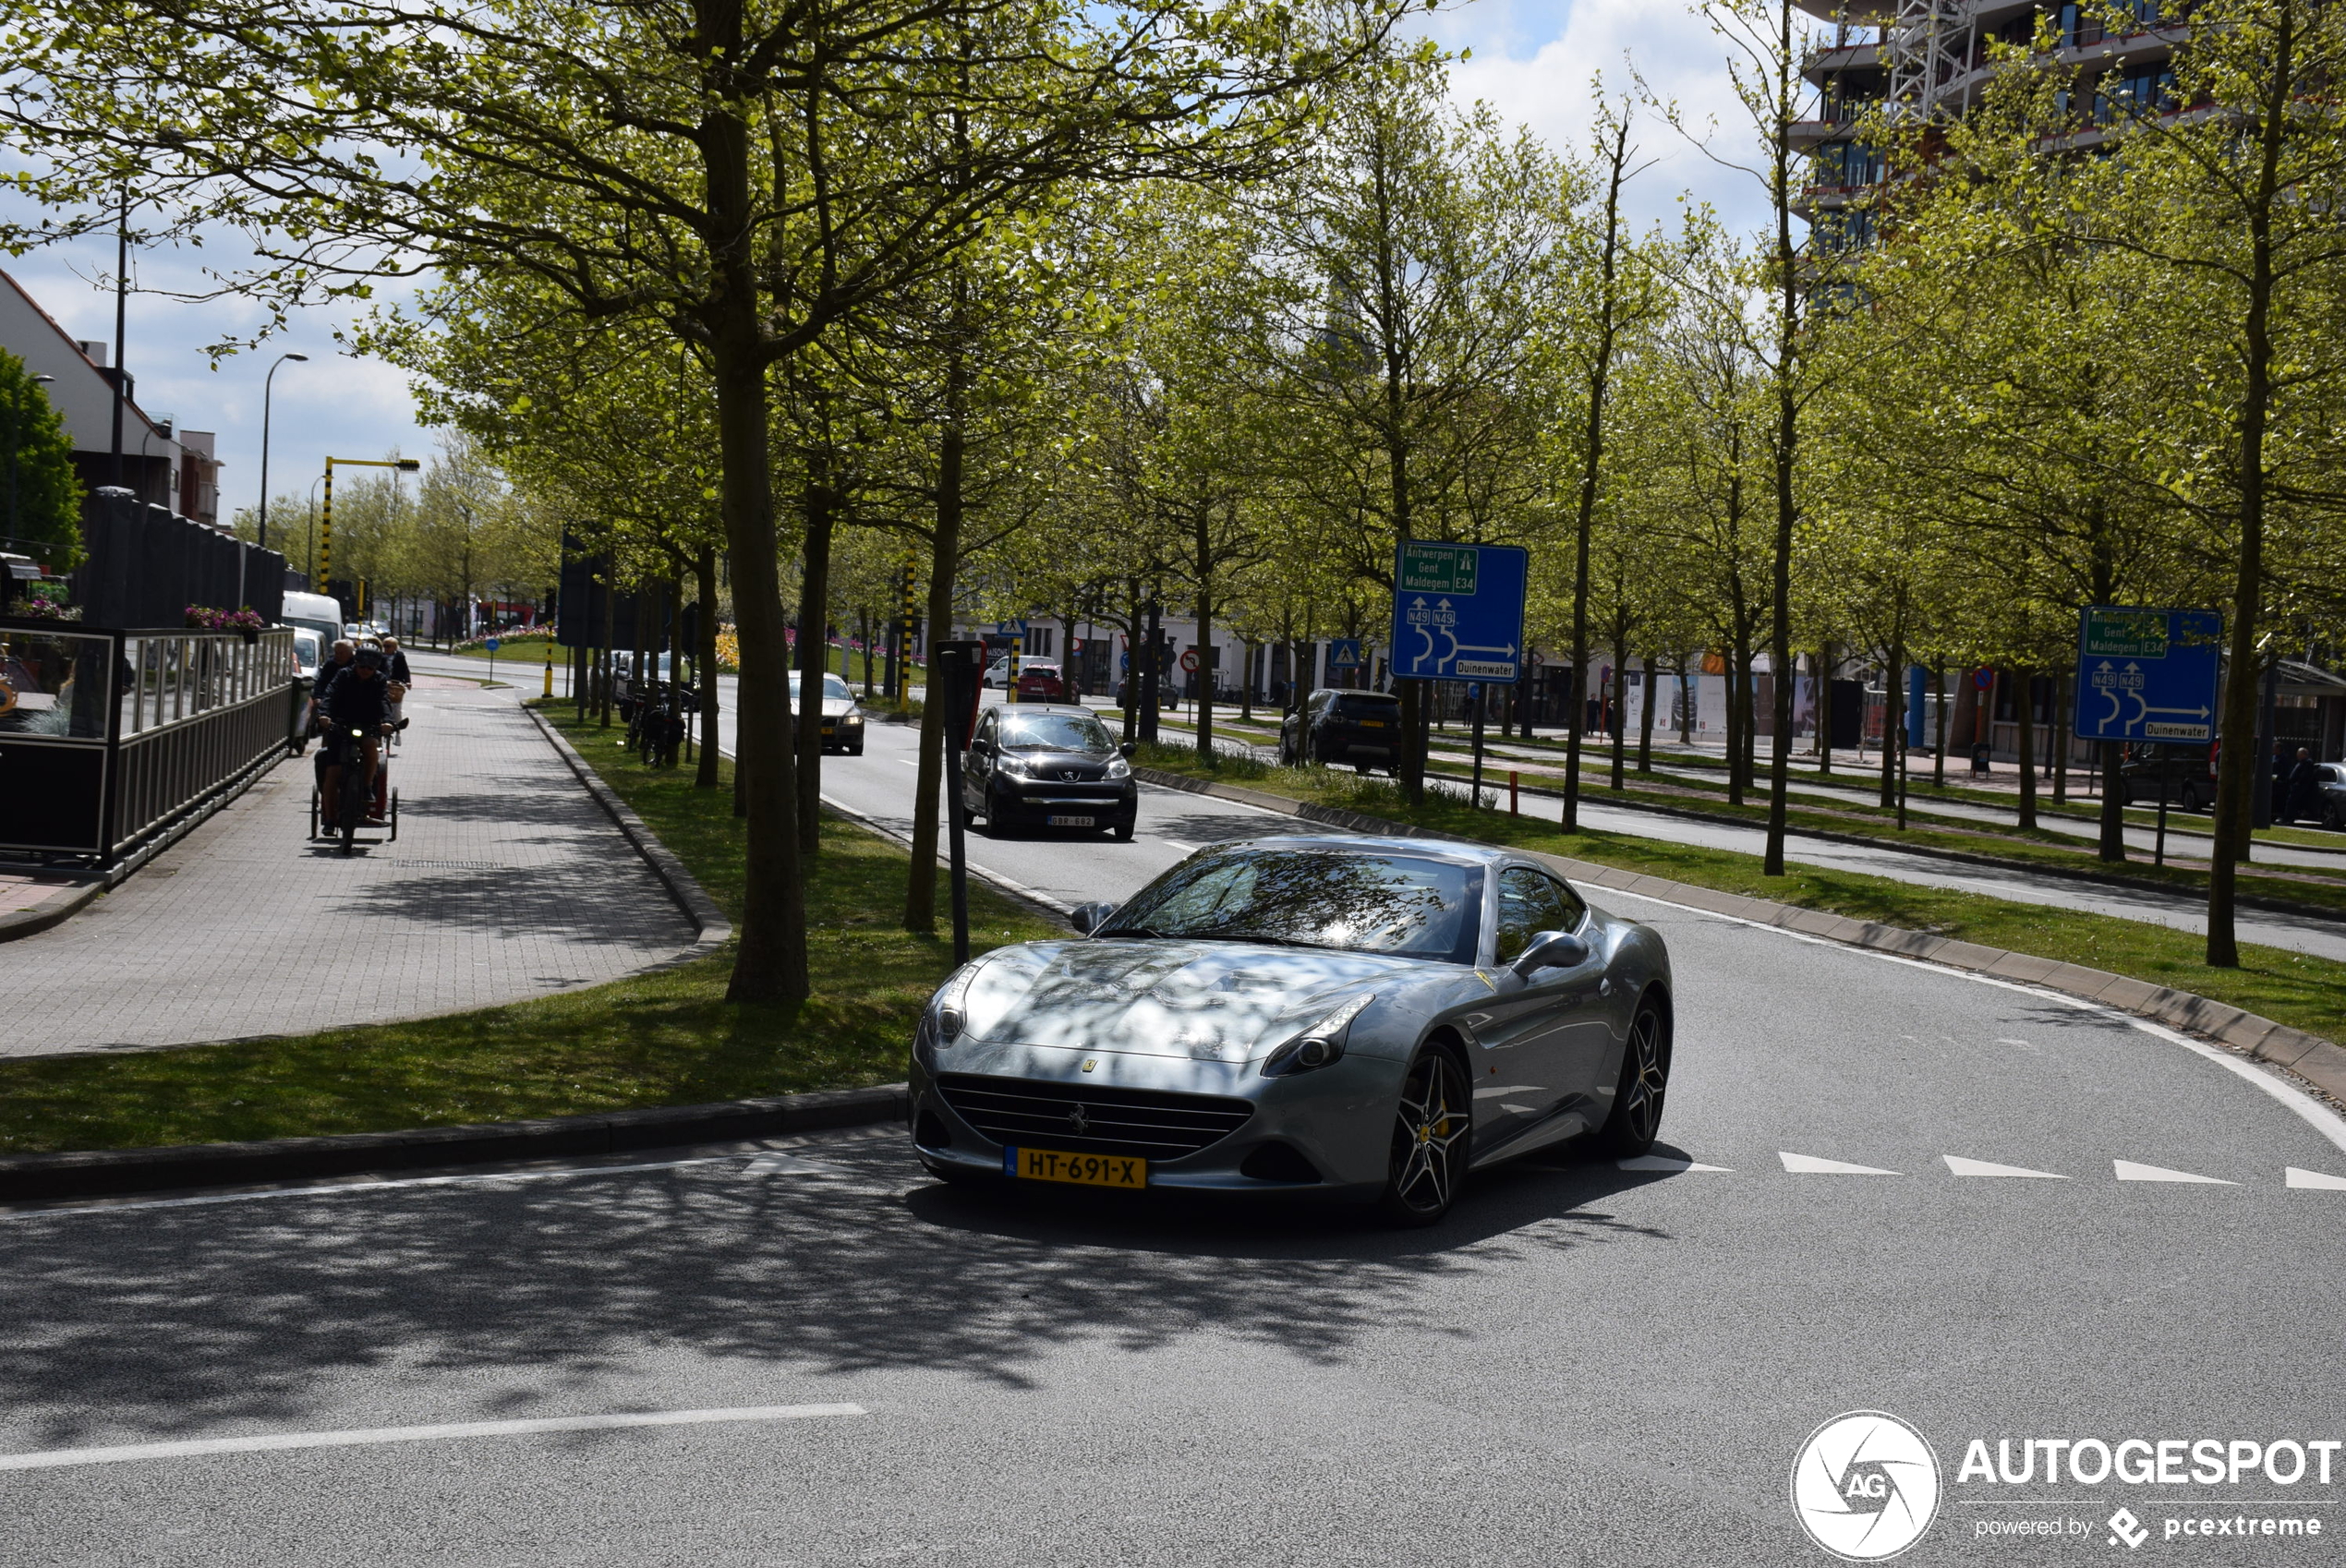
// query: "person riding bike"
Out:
[357,699]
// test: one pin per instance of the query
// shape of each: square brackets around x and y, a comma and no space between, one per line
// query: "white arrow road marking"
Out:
[2320,1181]
[1663,1162]
[1808,1164]
[1958,1165]
[2129,1171]
[271,1441]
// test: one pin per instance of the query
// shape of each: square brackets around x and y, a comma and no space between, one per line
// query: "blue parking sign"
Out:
[2147,674]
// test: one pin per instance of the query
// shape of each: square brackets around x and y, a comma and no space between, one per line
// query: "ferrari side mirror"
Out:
[1552,950]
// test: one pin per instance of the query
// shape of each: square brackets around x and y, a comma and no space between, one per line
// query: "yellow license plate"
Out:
[1372,724]
[1084,1170]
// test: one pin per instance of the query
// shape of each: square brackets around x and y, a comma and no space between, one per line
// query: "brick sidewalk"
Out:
[507,882]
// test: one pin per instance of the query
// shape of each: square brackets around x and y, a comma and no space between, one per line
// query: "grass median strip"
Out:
[2296,989]
[669,1038]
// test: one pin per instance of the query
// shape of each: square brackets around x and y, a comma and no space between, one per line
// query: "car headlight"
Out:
[947,1010]
[853,720]
[1316,1045]
[1120,768]
[1016,766]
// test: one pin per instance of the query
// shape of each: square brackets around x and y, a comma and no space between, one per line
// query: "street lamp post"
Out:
[267,388]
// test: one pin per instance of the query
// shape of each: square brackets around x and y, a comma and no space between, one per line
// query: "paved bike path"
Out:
[507,882]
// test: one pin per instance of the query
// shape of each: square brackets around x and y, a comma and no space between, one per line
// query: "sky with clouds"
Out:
[1532,60]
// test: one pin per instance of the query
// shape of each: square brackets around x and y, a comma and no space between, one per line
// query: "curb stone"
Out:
[690,896]
[2320,1062]
[111,1172]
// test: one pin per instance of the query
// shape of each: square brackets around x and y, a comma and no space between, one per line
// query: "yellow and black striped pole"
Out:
[326,534]
[1010,686]
[326,511]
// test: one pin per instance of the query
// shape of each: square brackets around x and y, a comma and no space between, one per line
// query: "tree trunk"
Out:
[2024,708]
[712,707]
[1644,719]
[920,893]
[814,654]
[2240,768]
[770,965]
[1202,535]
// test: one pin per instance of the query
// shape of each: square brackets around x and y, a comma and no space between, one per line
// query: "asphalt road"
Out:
[830,1358]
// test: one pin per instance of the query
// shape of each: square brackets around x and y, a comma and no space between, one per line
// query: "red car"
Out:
[1043,683]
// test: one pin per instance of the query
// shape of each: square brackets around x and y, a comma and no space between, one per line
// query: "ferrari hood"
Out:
[1201,1001]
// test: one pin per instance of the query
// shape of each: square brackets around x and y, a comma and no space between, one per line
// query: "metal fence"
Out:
[109,737]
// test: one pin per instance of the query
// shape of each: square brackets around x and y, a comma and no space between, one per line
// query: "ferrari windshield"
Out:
[1055,732]
[1406,905]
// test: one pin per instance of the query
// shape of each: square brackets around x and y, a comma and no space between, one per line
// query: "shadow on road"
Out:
[163,1321]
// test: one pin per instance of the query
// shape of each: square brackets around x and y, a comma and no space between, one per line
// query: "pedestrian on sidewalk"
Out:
[2304,801]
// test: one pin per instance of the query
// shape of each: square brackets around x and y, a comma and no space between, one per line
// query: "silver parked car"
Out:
[1367,1019]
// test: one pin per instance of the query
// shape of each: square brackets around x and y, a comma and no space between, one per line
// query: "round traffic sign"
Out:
[1124,661]
[1984,679]
[1189,661]
[492,644]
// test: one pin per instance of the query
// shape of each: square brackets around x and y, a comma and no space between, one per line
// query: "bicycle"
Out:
[356,797]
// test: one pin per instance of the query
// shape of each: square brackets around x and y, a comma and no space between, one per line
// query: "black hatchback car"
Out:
[1048,765]
[1359,729]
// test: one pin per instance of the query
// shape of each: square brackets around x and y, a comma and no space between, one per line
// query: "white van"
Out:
[313,612]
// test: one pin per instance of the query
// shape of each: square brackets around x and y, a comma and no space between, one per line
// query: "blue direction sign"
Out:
[2147,674]
[1457,611]
[1344,653]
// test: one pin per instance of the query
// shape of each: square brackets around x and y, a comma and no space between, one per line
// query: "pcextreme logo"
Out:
[1865,1486]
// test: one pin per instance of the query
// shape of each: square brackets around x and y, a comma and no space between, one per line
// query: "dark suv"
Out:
[1052,764]
[2187,773]
[1359,729]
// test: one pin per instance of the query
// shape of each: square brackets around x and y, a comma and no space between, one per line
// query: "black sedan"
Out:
[1360,730]
[1048,765]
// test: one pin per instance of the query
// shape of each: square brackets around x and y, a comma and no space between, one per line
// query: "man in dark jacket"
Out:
[2305,800]
[355,700]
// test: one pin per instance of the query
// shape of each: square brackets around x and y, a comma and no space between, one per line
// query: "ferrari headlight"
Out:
[1120,768]
[947,1010]
[1316,1045]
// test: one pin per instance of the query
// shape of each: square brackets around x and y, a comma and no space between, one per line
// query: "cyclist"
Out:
[357,699]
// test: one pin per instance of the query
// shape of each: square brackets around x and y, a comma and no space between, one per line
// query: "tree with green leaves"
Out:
[39,494]
[752,177]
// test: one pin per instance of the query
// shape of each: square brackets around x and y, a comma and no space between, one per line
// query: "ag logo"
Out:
[1865,1486]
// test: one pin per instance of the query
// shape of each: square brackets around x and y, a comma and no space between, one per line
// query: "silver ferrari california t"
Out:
[1367,1019]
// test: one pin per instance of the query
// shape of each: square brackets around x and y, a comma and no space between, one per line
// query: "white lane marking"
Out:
[2127,1170]
[1958,1165]
[1663,1162]
[909,762]
[1176,844]
[2324,1120]
[269,1442]
[2320,1181]
[331,1189]
[789,1164]
[1809,1165]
